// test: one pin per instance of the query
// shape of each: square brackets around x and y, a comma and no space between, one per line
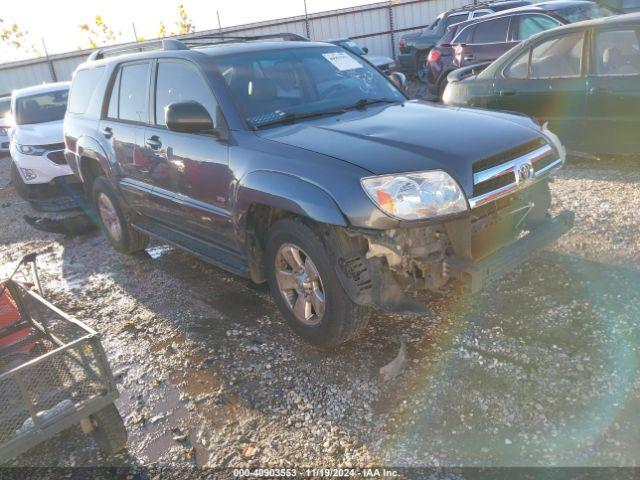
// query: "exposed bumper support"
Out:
[491,268]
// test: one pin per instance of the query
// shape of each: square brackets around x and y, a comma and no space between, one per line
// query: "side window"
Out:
[132,104]
[529,25]
[457,18]
[112,112]
[181,82]
[617,53]
[559,57]
[82,88]
[491,31]
[464,36]
[519,68]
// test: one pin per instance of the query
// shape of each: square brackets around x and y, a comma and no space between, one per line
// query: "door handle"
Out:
[504,93]
[107,132]
[468,57]
[599,91]
[154,142]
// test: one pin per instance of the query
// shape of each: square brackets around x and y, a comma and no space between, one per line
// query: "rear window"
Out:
[578,13]
[84,84]
[41,107]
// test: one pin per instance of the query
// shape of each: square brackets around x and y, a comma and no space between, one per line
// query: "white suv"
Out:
[37,142]
[5,124]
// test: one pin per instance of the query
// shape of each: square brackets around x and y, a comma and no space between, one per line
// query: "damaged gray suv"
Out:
[300,164]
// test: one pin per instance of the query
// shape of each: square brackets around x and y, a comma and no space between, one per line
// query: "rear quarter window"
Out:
[82,89]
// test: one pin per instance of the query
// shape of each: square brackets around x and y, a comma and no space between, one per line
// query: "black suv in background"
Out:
[414,47]
[300,164]
[485,39]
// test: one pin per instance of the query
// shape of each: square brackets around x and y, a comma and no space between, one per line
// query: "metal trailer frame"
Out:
[76,351]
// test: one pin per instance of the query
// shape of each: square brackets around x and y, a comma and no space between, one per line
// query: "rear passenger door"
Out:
[613,100]
[485,41]
[190,172]
[123,129]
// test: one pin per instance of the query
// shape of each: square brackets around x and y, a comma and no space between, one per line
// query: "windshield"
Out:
[578,13]
[41,107]
[5,106]
[271,85]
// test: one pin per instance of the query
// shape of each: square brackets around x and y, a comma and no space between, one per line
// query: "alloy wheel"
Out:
[109,217]
[300,284]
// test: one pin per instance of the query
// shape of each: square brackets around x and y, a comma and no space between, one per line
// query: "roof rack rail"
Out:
[184,43]
[202,39]
[162,44]
[475,5]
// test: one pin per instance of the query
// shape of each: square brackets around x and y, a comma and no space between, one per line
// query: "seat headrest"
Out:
[262,89]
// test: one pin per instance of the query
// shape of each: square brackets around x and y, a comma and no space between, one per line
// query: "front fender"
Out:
[286,192]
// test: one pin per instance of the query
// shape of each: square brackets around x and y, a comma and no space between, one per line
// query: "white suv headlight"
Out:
[31,149]
[416,196]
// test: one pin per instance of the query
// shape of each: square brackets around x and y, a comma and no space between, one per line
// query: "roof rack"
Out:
[476,5]
[205,39]
[185,43]
[163,44]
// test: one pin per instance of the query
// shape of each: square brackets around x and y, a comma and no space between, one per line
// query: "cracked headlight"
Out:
[31,149]
[416,196]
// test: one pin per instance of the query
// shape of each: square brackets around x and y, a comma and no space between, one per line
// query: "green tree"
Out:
[12,35]
[184,23]
[99,32]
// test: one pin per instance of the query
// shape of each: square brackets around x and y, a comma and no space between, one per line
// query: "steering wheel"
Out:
[333,90]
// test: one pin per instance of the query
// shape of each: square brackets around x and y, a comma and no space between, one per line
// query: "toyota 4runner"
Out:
[300,164]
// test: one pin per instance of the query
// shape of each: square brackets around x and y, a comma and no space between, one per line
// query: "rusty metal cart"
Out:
[53,373]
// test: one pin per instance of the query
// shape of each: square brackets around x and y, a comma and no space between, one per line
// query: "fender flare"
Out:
[89,147]
[287,192]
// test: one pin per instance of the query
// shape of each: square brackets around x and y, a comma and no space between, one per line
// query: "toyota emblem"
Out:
[525,171]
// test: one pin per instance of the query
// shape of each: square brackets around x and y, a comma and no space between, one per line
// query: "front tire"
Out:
[306,288]
[113,221]
[24,190]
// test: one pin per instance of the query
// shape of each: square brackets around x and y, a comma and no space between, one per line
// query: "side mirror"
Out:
[399,79]
[365,50]
[188,117]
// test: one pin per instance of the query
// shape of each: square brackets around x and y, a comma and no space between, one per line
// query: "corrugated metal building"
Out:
[377,26]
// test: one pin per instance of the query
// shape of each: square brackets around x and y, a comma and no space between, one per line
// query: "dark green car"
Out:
[583,79]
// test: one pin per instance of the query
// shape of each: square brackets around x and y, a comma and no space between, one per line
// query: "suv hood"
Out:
[39,133]
[410,137]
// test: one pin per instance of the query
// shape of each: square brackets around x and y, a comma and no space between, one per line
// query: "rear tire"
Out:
[421,65]
[109,431]
[340,319]
[441,88]
[113,221]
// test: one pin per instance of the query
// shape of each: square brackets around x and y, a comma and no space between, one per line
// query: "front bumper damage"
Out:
[474,251]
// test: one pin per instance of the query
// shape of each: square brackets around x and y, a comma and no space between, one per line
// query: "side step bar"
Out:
[495,266]
[209,252]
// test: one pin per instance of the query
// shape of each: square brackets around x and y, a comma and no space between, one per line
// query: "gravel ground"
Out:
[539,369]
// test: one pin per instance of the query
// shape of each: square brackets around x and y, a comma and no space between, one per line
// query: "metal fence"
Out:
[377,26]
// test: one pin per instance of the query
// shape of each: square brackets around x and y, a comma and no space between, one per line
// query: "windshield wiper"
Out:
[293,117]
[363,102]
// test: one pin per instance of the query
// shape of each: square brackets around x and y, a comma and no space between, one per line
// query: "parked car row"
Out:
[581,79]
[485,39]
[414,47]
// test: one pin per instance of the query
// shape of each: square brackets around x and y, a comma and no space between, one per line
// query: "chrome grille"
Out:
[500,180]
